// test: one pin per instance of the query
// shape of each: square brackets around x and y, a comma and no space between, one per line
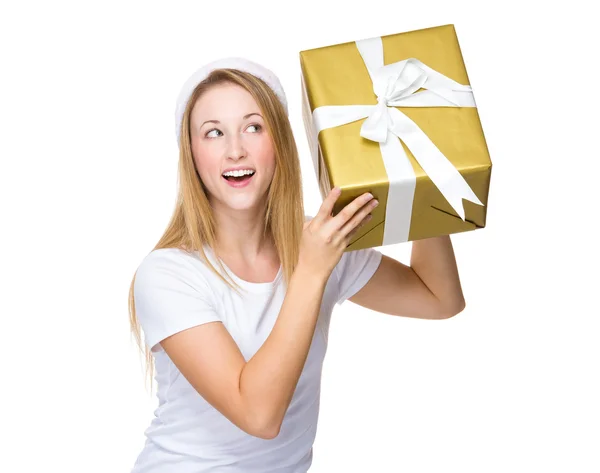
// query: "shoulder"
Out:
[164,258]
[171,266]
[171,294]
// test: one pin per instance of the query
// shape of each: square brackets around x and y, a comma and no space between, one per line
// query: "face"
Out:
[228,131]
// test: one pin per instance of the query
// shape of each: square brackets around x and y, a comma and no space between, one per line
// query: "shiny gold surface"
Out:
[336,75]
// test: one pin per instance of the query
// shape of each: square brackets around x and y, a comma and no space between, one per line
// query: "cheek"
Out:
[204,159]
[266,152]
[203,151]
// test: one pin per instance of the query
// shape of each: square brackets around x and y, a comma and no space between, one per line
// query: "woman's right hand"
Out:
[325,238]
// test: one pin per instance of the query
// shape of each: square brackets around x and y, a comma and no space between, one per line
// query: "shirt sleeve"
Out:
[170,297]
[354,270]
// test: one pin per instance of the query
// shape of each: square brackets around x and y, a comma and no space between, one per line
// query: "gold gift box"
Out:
[337,75]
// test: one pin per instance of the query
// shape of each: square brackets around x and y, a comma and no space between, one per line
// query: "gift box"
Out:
[395,116]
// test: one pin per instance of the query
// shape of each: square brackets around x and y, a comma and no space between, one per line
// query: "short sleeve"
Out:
[354,270]
[170,296]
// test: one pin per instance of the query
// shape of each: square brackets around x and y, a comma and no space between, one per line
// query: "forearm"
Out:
[433,260]
[269,378]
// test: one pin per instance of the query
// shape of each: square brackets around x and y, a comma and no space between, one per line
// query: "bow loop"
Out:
[398,80]
[391,84]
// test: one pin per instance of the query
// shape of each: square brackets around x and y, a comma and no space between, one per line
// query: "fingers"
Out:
[359,219]
[351,233]
[326,208]
[349,219]
[349,211]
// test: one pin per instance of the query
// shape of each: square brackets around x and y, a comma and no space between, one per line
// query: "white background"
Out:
[87,180]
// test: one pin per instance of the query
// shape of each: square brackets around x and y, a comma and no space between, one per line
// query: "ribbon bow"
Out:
[395,85]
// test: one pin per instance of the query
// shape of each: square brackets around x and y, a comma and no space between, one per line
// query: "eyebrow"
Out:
[243,118]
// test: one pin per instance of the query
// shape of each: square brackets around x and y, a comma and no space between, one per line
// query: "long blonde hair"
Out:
[192,224]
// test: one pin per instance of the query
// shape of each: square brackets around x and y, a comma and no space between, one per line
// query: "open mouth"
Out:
[239,180]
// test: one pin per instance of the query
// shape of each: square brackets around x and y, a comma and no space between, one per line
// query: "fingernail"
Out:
[375,203]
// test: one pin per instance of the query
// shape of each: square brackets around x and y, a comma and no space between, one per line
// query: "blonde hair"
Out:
[192,224]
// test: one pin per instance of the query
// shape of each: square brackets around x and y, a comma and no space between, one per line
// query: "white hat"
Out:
[230,63]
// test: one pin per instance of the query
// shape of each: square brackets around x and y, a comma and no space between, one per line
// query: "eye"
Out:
[210,131]
[257,126]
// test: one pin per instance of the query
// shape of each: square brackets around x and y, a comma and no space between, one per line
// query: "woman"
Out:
[235,299]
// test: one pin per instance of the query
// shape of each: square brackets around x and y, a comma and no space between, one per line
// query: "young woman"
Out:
[235,299]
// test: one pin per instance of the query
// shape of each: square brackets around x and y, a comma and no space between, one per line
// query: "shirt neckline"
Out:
[250,286]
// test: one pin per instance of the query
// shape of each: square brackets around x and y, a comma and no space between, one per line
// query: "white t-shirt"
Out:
[175,290]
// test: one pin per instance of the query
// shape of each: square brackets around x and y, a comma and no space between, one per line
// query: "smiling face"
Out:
[228,131]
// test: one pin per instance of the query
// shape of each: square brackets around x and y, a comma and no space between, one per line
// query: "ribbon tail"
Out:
[375,127]
[440,170]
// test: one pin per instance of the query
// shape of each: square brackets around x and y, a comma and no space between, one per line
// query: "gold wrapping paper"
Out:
[337,75]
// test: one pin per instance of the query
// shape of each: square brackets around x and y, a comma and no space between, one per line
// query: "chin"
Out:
[242,202]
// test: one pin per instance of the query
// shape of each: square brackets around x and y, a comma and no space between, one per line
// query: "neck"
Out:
[240,235]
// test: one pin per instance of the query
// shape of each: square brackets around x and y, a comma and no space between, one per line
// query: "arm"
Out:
[433,261]
[253,395]
[269,379]
[428,289]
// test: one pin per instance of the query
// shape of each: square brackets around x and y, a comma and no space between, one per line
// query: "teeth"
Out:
[243,172]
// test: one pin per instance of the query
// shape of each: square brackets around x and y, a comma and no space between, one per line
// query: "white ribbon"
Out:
[395,86]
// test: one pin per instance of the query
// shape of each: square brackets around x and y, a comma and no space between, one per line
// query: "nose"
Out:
[235,147]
